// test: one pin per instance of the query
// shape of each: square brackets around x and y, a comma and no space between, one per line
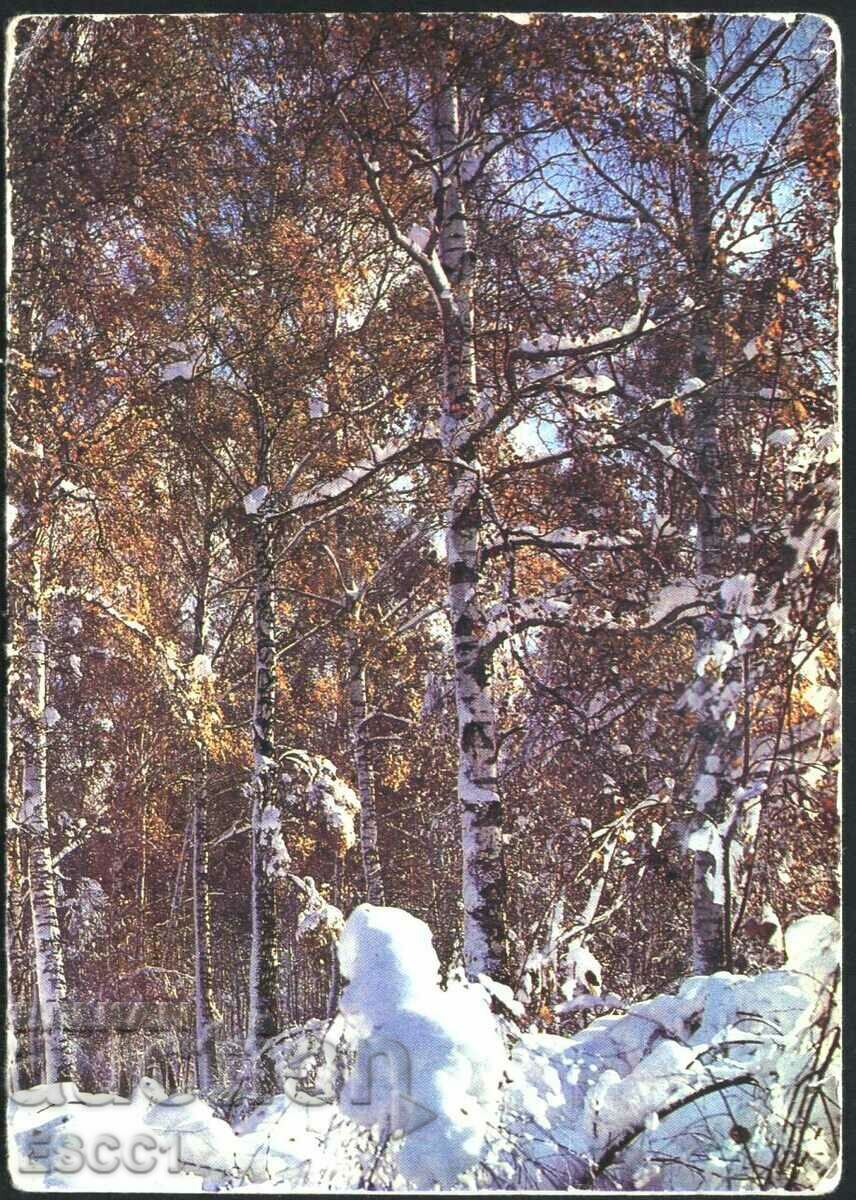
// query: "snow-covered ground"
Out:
[731,1083]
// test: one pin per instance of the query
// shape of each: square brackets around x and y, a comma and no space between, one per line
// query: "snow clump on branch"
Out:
[335,803]
[319,922]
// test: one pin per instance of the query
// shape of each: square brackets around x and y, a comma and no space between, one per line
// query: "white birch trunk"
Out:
[206,1013]
[206,1047]
[484,879]
[714,743]
[263,1007]
[50,966]
[17,969]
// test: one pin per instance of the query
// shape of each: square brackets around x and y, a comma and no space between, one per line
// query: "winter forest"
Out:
[423,602]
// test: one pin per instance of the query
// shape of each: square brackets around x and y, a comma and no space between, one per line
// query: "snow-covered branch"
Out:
[557,539]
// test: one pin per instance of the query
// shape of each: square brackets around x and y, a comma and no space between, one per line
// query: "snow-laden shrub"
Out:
[440,1056]
[732,1084]
[748,1099]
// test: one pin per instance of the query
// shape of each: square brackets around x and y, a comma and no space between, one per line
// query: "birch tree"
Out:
[34,823]
[445,258]
[706,214]
[718,734]
[206,1011]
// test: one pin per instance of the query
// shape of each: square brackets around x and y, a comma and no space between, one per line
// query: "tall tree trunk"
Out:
[142,888]
[264,970]
[50,965]
[362,759]
[713,742]
[484,879]
[206,1011]
[335,977]
[18,969]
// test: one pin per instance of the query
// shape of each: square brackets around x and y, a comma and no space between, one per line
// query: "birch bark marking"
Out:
[712,742]
[206,1013]
[50,965]
[362,759]
[484,879]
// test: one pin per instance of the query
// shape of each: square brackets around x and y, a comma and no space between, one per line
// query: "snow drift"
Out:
[732,1083]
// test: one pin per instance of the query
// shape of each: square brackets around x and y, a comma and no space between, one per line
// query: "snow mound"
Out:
[811,944]
[69,1140]
[432,1060]
[708,1102]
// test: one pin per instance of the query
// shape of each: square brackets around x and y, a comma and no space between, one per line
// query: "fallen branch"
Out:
[608,1157]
